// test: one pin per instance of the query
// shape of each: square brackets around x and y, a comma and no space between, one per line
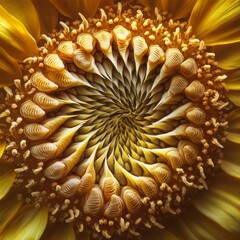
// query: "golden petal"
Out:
[221,203]
[7,176]
[26,13]
[29,224]
[232,81]
[177,8]
[15,38]
[8,210]
[196,226]
[228,55]
[73,7]
[145,2]
[47,21]
[234,97]
[9,69]
[106,3]
[223,18]
[61,231]
[2,146]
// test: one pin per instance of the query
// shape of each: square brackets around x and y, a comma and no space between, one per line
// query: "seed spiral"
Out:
[117,122]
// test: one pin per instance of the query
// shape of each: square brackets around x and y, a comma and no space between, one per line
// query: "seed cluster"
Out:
[116,123]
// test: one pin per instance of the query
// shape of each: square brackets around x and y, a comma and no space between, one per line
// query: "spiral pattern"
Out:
[117,122]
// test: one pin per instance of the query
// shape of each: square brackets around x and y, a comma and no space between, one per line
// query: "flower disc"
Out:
[117,122]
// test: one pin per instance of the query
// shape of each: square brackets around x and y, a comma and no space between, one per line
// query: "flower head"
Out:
[119,117]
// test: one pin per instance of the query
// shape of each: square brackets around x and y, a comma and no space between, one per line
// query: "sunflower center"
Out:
[117,122]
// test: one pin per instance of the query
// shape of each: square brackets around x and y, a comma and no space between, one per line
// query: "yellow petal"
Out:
[228,55]
[9,69]
[47,14]
[60,231]
[232,169]
[29,225]
[233,79]
[231,163]
[73,7]
[26,13]
[7,176]
[177,8]
[234,137]
[8,210]
[233,85]
[234,97]
[2,146]
[216,22]
[157,234]
[145,2]
[14,37]
[195,226]
[104,3]
[222,210]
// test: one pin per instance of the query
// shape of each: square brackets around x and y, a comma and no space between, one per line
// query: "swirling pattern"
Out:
[118,127]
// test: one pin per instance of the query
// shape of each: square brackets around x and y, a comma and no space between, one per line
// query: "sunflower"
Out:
[119,119]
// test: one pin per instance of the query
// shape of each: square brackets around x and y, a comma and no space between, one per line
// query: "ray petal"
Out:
[9,69]
[9,209]
[26,13]
[177,8]
[7,176]
[47,21]
[72,8]
[29,224]
[216,22]
[15,38]
[228,55]
[2,146]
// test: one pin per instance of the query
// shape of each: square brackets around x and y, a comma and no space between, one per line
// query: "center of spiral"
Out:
[117,122]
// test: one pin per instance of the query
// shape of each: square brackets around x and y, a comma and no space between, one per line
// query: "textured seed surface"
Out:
[120,122]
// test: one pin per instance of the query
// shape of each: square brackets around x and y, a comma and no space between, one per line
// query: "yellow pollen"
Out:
[117,122]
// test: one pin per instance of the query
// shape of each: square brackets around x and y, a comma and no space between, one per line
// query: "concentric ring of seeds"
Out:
[116,123]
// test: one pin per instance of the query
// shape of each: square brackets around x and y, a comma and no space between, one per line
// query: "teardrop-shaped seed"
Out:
[53,61]
[55,171]
[69,187]
[31,110]
[86,42]
[42,83]
[161,174]
[140,48]
[175,159]
[173,58]
[114,207]
[122,37]
[196,116]
[131,199]
[148,186]
[156,56]
[45,101]
[85,61]
[188,151]
[109,186]
[93,202]
[189,67]
[104,40]
[35,131]
[66,49]
[44,151]
[63,78]
[177,85]
[195,90]
[195,134]
[86,184]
